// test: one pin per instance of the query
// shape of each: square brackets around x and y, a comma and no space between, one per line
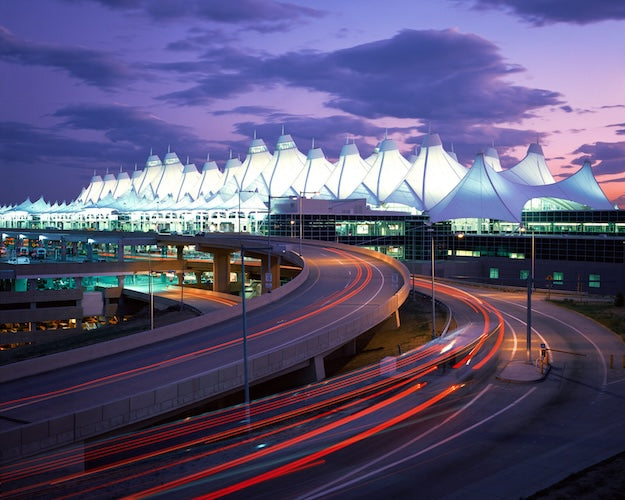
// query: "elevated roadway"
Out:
[63,399]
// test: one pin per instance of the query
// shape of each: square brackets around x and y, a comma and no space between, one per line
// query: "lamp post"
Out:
[433,297]
[239,212]
[530,285]
[150,291]
[245,361]
[268,276]
[302,194]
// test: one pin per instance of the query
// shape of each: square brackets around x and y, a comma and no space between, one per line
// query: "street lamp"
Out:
[246,376]
[268,276]
[239,212]
[302,194]
[530,285]
[430,229]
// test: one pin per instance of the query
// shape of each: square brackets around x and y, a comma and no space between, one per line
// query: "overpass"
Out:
[63,399]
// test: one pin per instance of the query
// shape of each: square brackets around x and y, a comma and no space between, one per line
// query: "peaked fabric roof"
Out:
[531,170]
[431,181]
[482,193]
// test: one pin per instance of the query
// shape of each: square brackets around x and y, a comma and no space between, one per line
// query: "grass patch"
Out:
[609,315]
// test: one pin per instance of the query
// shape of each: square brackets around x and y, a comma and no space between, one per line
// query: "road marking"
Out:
[328,488]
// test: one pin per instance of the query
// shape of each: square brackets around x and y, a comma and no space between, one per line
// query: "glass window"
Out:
[494,273]
[594,281]
[558,278]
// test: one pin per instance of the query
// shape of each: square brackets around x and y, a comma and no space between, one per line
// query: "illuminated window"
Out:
[493,273]
[558,278]
[594,281]
[524,275]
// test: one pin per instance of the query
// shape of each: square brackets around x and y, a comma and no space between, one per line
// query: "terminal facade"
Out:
[484,224]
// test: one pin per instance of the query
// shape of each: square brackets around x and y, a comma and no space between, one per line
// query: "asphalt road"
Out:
[339,286]
[501,439]
[493,439]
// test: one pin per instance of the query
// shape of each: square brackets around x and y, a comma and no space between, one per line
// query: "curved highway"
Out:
[411,427]
[341,286]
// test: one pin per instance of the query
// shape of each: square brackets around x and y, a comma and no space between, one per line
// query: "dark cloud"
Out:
[620,126]
[259,15]
[424,75]
[329,133]
[606,157]
[93,67]
[130,126]
[543,12]
[246,110]
[128,135]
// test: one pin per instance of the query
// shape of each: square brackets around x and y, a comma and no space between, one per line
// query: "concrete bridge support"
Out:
[221,270]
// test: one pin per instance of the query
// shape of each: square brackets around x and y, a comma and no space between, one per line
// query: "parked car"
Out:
[38,253]
[19,260]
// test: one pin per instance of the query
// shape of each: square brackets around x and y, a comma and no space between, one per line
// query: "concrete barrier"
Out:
[55,361]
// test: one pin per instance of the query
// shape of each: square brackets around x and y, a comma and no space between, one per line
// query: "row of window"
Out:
[555,278]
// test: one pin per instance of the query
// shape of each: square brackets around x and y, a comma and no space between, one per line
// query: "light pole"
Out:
[239,212]
[268,276]
[150,291]
[530,285]
[302,195]
[433,297]
[245,363]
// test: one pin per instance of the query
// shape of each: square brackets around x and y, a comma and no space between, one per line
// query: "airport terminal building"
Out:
[485,223]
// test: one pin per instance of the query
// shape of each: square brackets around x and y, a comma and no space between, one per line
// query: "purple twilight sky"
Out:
[96,84]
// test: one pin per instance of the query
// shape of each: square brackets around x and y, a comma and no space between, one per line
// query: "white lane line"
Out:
[604,363]
[343,482]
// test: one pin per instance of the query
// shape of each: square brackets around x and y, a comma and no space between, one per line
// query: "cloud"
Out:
[541,12]
[258,15]
[246,110]
[90,66]
[427,75]
[621,128]
[127,134]
[609,155]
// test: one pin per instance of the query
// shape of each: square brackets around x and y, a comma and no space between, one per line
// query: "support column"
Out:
[318,368]
[120,251]
[274,269]
[221,270]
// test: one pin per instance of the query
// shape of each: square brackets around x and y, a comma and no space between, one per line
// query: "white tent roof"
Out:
[491,158]
[190,184]
[531,170]
[482,193]
[349,171]
[212,179]
[93,191]
[109,184]
[581,187]
[387,171]
[123,185]
[257,160]
[286,165]
[434,173]
[315,173]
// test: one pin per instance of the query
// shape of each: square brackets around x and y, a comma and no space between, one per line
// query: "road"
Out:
[339,286]
[490,439]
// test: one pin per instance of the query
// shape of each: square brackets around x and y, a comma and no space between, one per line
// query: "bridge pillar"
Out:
[318,368]
[349,349]
[198,277]
[274,269]
[120,251]
[221,270]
